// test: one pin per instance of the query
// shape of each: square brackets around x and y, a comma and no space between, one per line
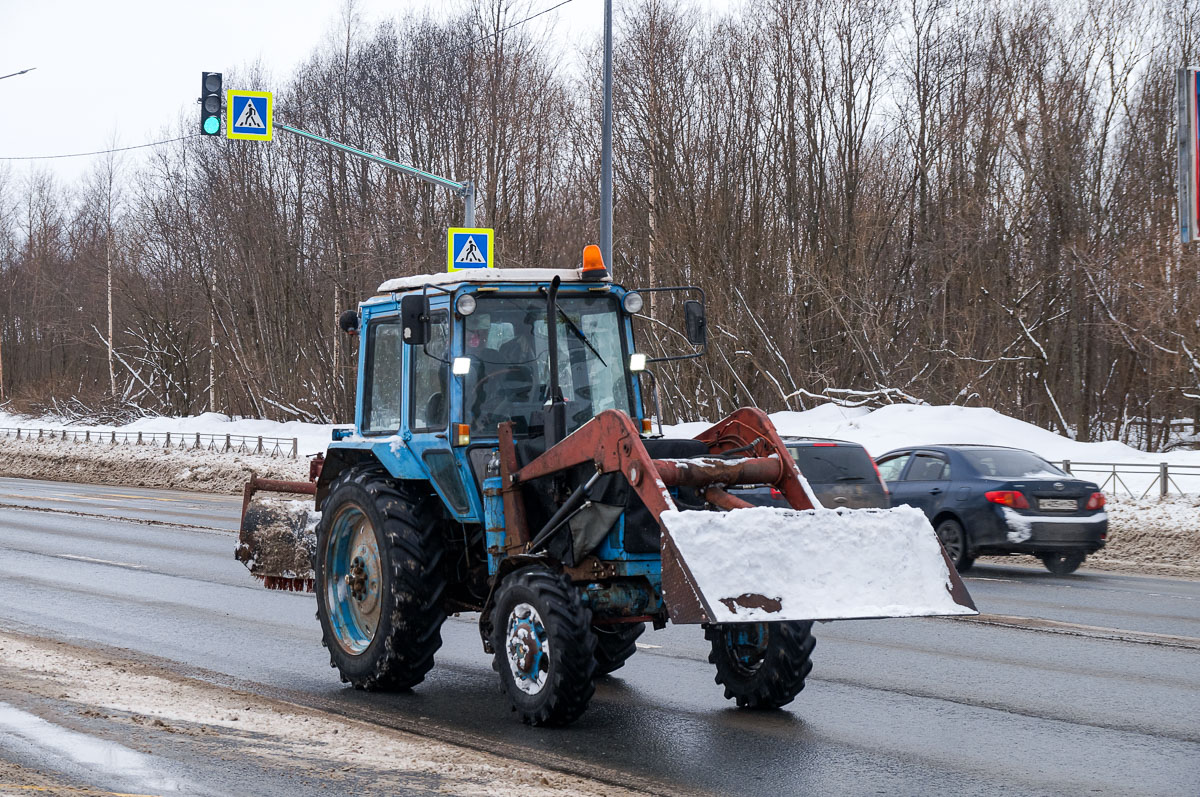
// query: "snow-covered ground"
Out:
[312,437]
[1145,534]
[879,430]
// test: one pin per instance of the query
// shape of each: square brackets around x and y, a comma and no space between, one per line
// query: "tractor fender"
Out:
[336,461]
[508,566]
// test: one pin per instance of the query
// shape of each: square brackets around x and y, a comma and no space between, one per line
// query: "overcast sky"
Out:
[126,69]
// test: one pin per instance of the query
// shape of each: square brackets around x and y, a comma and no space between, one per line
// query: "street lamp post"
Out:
[606,188]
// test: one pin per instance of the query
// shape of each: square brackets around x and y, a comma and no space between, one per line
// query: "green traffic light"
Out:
[211,125]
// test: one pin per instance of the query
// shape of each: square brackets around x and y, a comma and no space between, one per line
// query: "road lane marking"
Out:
[1080,629]
[118,518]
[139,497]
[69,790]
[986,578]
[90,560]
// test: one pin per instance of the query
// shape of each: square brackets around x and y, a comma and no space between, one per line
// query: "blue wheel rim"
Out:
[746,644]
[527,649]
[353,580]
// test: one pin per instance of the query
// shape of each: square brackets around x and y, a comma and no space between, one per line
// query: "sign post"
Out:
[251,118]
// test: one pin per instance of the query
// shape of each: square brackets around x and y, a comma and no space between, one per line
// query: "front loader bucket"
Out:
[764,564]
[277,541]
[278,536]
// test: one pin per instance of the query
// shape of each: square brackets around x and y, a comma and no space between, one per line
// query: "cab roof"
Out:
[483,276]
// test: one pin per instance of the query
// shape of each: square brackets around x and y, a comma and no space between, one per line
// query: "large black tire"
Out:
[390,647]
[1063,563]
[544,647]
[615,644]
[954,539]
[761,665]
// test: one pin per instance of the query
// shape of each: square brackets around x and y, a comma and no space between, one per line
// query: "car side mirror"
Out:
[697,327]
[414,318]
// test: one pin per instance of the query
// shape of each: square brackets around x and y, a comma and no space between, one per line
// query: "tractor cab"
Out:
[446,359]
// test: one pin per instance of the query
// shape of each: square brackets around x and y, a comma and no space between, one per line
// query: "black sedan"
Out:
[988,500]
[841,474]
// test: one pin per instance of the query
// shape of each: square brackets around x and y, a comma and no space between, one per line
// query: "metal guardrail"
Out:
[190,441]
[1131,477]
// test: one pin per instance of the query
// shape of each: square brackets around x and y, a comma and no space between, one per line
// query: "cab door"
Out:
[427,415]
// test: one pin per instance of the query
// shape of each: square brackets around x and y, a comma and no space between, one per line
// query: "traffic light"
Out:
[210,103]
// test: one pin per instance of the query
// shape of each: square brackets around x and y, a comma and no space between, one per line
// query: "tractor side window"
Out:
[890,469]
[382,388]
[928,468]
[430,397]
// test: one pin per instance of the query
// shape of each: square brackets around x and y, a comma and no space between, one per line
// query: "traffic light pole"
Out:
[466,190]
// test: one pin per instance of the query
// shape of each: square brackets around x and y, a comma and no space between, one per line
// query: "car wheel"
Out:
[954,540]
[1063,564]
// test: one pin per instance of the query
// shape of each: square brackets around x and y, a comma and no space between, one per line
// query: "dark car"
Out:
[989,500]
[841,473]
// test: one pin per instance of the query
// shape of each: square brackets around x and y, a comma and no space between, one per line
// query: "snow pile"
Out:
[311,437]
[878,430]
[141,466]
[1152,536]
[765,564]
[901,425]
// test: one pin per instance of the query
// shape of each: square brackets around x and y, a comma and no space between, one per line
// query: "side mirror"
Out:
[414,318]
[697,328]
[348,321]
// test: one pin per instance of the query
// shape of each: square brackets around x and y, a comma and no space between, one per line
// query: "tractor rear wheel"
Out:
[761,665]
[544,647]
[379,580]
[615,644]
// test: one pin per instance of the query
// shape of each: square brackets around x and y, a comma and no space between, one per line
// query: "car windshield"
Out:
[832,464]
[507,342]
[1008,464]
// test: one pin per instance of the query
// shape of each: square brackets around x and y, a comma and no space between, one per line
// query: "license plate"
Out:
[1058,503]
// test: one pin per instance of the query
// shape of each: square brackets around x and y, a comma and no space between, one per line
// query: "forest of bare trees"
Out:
[949,201]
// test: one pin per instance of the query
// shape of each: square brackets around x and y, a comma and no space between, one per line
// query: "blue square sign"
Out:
[249,115]
[469,247]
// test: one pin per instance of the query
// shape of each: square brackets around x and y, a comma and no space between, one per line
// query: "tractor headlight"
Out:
[633,302]
[465,304]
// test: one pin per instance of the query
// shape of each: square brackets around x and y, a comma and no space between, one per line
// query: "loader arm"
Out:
[816,580]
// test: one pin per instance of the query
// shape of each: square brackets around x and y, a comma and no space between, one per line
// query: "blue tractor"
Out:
[502,461]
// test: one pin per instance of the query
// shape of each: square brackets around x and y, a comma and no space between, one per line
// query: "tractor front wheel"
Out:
[761,665]
[379,580]
[544,647]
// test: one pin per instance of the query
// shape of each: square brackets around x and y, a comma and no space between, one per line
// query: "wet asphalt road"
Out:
[1105,699]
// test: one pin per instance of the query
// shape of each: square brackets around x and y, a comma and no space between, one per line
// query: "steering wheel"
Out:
[514,369]
[495,412]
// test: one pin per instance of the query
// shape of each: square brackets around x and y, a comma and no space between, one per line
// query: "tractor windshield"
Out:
[508,344]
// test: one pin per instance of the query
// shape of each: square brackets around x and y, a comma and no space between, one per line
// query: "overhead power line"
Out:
[14,74]
[521,22]
[491,35]
[97,152]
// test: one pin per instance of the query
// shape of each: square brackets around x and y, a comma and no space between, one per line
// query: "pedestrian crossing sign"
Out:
[249,115]
[469,247]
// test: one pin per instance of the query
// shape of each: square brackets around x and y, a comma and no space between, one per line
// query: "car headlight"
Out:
[633,302]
